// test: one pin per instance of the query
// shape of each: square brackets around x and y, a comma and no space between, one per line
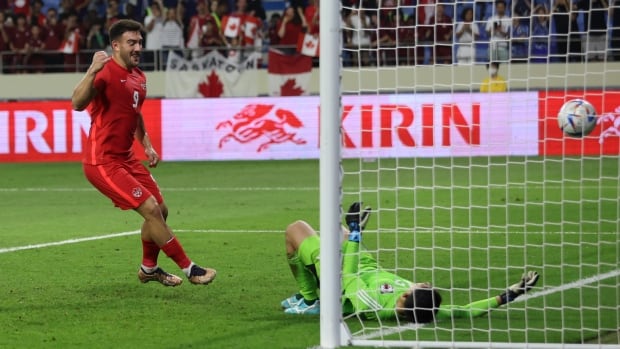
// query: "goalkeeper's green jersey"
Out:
[372,291]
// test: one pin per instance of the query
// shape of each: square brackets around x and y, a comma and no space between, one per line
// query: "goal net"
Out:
[471,189]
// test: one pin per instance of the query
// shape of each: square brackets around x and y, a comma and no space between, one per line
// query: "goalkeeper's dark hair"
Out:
[124,25]
[421,305]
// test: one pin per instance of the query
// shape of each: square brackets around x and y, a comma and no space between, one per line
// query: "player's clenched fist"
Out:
[100,58]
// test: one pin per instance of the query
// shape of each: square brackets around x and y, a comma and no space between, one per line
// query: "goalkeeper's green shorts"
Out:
[309,250]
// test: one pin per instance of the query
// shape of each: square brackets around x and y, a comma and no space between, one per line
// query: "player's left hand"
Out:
[527,282]
[152,157]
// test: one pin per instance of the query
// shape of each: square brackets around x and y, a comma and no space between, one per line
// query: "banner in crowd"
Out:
[289,74]
[211,75]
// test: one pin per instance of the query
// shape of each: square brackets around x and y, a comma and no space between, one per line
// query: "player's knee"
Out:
[150,209]
[295,227]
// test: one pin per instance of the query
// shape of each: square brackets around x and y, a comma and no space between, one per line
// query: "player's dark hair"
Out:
[124,25]
[421,305]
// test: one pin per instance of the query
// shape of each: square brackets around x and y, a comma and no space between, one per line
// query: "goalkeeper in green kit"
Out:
[369,290]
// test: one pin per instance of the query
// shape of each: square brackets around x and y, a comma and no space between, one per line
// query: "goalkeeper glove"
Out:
[356,220]
[528,280]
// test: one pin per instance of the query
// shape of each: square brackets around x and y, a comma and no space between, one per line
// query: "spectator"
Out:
[560,18]
[442,35]
[153,26]
[257,7]
[71,44]
[494,82]
[615,32]
[197,24]
[210,37]
[292,24]
[99,7]
[360,36]
[498,28]
[53,33]
[575,51]
[406,38]
[520,39]
[272,29]
[386,41]
[18,43]
[311,13]
[540,35]
[219,9]
[4,40]
[232,26]
[172,32]
[521,8]
[34,59]
[96,38]
[424,31]
[20,7]
[596,27]
[467,33]
[65,9]
[37,16]
[113,14]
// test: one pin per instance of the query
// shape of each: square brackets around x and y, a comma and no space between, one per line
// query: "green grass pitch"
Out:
[232,216]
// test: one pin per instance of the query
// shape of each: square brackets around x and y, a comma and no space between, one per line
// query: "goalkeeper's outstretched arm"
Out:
[481,307]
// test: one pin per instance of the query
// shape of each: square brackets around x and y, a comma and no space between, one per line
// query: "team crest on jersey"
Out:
[386,288]
[143,86]
[136,192]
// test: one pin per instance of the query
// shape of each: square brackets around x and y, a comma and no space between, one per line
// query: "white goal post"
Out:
[469,188]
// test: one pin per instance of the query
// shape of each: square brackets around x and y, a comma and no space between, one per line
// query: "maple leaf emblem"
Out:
[310,44]
[232,26]
[289,88]
[211,86]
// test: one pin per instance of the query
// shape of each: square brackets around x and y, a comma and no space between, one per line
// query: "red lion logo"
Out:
[258,121]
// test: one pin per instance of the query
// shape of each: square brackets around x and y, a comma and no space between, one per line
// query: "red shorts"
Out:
[127,183]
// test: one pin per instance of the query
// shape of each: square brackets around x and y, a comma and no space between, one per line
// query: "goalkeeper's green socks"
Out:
[305,279]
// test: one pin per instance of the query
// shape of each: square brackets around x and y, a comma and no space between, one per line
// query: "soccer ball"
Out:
[577,118]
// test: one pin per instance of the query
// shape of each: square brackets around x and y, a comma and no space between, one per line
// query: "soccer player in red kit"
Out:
[115,89]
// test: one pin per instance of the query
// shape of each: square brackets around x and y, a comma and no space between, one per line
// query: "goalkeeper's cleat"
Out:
[160,276]
[201,276]
[528,280]
[304,309]
[292,301]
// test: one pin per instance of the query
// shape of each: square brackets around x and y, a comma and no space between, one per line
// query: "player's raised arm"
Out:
[84,91]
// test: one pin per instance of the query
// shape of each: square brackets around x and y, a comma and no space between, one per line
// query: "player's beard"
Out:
[133,59]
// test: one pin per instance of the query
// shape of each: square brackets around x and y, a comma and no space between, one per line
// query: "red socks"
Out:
[174,250]
[150,251]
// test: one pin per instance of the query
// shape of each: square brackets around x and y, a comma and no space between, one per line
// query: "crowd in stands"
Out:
[61,35]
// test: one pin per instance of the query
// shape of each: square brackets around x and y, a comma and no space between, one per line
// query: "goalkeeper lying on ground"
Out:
[370,290]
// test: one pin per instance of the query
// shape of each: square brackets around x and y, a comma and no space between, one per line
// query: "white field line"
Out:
[135,232]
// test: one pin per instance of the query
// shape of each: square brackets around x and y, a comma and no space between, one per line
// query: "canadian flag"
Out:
[71,43]
[232,26]
[289,75]
[308,45]
[250,29]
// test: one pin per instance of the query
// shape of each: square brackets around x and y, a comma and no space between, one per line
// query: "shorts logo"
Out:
[136,192]
[386,288]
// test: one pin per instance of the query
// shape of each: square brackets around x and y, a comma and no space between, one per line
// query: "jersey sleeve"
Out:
[470,310]
[101,80]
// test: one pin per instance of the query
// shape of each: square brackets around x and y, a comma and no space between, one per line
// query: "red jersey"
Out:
[114,113]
